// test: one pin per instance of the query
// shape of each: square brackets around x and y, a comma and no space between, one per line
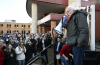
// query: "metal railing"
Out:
[36,57]
[39,57]
[51,63]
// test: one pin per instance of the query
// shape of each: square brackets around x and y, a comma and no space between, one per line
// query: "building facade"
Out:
[9,27]
[46,14]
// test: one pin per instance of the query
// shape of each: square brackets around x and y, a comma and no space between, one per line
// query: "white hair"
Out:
[72,7]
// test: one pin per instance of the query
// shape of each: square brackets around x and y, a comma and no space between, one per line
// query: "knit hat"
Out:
[6,34]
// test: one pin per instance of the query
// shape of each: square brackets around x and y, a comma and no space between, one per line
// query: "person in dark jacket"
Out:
[33,41]
[9,55]
[57,47]
[14,44]
[38,41]
[42,45]
[77,32]
[6,40]
[29,51]
[4,46]
[49,39]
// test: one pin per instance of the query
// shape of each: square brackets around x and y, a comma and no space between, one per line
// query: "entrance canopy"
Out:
[46,6]
[51,16]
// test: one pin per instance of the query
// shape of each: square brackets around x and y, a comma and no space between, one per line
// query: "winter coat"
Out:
[77,29]
[29,52]
[33,44]
[8,60]
[60,47]
[40,45]
[19,53]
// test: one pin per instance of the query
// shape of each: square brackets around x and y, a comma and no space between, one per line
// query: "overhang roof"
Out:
[50,17]
[46,6]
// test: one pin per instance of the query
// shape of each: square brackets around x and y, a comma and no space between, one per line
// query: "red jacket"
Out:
[1,57]
[65,50]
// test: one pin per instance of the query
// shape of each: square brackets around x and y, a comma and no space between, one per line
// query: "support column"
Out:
[40,29]
[92,45]
[53,24]
[34,18]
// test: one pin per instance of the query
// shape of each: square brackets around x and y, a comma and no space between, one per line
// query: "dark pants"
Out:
[44,53]
[78,53]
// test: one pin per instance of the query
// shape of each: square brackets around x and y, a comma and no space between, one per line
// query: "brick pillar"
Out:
[40,29]
[53,24]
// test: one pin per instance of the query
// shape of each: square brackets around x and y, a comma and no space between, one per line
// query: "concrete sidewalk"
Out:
[50,57]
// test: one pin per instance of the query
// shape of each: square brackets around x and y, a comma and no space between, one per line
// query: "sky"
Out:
[14,10]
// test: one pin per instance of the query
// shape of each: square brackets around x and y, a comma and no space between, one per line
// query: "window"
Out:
[22,32]
[8,31]
[8,25]
[1,25]
[17,26]
[29,31]
[1,31]
[17,31]
[22,26]
[28,26]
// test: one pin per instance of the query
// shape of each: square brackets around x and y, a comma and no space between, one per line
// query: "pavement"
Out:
[50,53]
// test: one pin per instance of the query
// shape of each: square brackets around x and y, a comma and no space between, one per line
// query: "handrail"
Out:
[51,63]
[37,59]
[39,53]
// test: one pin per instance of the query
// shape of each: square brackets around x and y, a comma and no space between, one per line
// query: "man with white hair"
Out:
[77,32]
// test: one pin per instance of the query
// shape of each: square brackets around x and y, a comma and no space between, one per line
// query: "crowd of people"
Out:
[18,48]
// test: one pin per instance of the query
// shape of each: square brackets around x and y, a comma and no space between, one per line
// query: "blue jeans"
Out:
[78,53]
[21,62]
[64,61]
